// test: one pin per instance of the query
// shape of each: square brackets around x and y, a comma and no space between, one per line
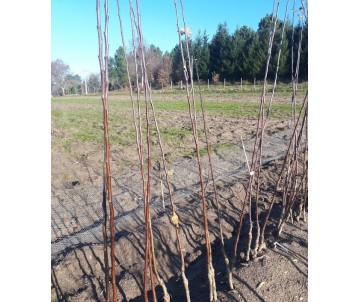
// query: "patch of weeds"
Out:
[63,143]
[175,135]
[224,146]
[123,138]
[86,136]
[192,153]
[282,110]
[171,105]
[57,113]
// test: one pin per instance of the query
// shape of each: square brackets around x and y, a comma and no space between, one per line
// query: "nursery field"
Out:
[278,274]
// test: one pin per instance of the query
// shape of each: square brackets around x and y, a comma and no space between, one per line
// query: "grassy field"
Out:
[81,116]
[78,120]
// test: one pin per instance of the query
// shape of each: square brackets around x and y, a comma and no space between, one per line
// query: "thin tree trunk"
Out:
[103,61]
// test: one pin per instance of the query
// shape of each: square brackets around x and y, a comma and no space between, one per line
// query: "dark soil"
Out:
[279,273]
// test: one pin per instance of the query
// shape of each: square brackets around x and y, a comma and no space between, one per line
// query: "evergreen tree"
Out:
[220,59]
[303,68]
[254,59]
[232,57]
[240,42]
[176,66]
[202,55]
[117,70]
[265,29]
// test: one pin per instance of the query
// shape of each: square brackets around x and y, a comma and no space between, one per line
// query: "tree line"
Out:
[235,57]
[63,82]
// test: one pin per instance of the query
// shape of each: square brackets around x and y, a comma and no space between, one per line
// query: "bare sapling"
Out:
[292,187]
[242,213]
[136,117]
[292,198]
[238,232]
[160,280]
[140,149]
[151,266]
[298,55]
[291,183]
[277,66]
[105,239]
[294,79]
[161,187]
[256,161]
[262,234]
[295,73]
[208,146]
[174,218]
[147,90]
[264,122]
[302,206]
[107,189]
[247,256]
[192,113]
[256,155]
[104,202]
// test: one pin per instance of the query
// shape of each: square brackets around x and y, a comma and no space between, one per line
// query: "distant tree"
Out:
[177,65]
[220,59]
[59,70]
[303,72]
[283,67]
[303,68]
[264,30]
[231,57]
[117,70]
[113,78]
[94,82]
[73,84]
[163,72]
[254,59]
[241,40]
[202,55]
[153,58]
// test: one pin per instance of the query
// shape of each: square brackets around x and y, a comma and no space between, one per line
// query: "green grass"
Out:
[91,108]
[175,135]
[81,117]
[236,109]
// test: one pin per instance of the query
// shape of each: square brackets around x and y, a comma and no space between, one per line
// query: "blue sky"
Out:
[74,33]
